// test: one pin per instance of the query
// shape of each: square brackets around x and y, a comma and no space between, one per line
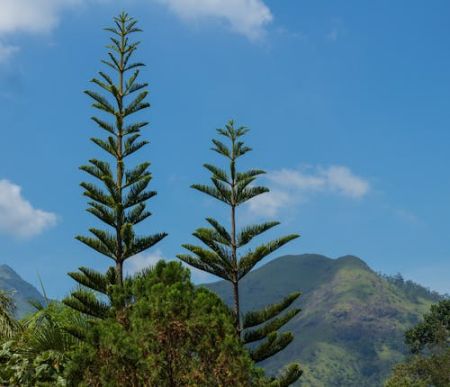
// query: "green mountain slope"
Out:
[22,290]
[350,330]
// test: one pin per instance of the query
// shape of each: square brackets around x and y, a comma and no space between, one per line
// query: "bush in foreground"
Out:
[170,334]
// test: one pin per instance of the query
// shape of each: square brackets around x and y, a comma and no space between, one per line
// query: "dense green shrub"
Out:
[170,334]
[429,342]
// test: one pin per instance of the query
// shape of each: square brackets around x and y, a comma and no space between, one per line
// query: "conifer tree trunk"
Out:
[237,310]
[237,307]
[119,163]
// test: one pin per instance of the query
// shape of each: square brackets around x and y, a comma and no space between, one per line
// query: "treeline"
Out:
[154,328]
[413,290]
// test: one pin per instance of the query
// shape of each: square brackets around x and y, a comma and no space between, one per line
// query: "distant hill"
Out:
[350,330]
[22,291]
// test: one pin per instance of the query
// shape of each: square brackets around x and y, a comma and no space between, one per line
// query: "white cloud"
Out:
[145,260]
[246,17]
[30,17]
[141,261]
[342,180]
[17,215]
[292,186]
[33,16]
[297,179]
[269,204]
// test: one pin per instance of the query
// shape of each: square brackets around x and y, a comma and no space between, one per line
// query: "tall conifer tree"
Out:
[222,255]
[120,199]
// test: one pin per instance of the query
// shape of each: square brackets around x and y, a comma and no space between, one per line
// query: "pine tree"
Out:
[221,256]
[120,200]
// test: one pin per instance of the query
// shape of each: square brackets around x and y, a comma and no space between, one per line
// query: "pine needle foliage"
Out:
[221,254]
[119,198]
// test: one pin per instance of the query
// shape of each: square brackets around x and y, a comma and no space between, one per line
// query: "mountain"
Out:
[22,291]
[350,330]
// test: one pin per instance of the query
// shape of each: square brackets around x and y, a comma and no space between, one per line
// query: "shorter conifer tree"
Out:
[221,255]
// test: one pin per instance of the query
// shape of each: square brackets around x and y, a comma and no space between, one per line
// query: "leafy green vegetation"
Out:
[37,353]
[419,371]
[170,334]
[429,342]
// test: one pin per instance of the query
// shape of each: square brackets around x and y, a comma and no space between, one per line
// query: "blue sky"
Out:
[348,105]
